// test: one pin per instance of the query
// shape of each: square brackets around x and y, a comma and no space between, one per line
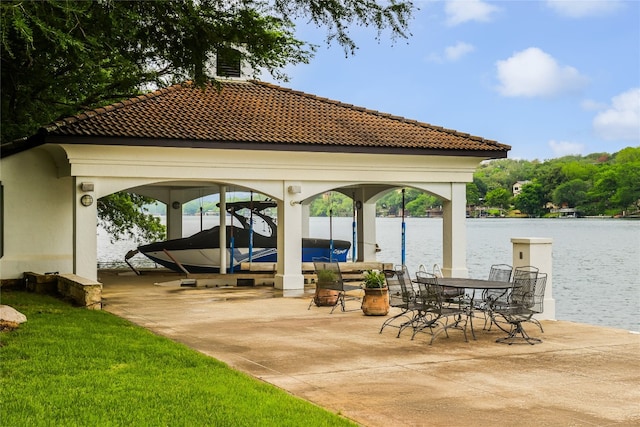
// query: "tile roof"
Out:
[265,116]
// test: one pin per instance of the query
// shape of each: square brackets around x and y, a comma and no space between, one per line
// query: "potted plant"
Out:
[325,295]
[376,294]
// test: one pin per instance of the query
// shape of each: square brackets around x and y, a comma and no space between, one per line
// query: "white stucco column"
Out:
[223,229]
[85,240]
[174,216]
[289,274]
[454,233]
[367,232]
[537,252]
[306,209]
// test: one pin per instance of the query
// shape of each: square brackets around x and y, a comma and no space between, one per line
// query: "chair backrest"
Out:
[431,294]
[524,280]
[328,274]
[399,296]
[500,273]
[405,280]
[527,271]
[538,297]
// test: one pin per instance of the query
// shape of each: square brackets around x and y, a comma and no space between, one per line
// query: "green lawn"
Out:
[69,366]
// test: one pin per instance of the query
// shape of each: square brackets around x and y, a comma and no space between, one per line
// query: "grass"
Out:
[69,366]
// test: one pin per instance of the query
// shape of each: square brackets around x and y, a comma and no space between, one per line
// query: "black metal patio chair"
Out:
[494,297]
[525,301]
[401,296]
[437,313]
[331,289]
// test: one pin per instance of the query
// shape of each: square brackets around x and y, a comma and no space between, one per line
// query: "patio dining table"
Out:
[474,284]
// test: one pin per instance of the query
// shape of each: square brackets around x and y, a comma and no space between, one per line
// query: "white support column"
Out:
[366,230]
[306,209]
[85,241]
[454,233]
[537,251]
[289,276]
[174,216]
[223,229]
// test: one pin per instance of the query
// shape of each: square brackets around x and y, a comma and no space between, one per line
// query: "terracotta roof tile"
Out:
[263,113]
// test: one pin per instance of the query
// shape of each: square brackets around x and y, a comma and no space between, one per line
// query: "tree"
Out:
[499,197]
[572,193]
[531,199]
[61,56]
[473,194]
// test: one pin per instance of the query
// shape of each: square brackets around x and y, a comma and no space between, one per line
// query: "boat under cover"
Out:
[200,253]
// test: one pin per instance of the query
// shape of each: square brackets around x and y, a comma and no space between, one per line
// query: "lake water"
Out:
[596,262]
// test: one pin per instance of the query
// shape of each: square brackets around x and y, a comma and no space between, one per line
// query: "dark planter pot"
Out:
[375,301]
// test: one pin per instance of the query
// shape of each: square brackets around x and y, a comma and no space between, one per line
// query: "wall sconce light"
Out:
[86,200]
[86,186]
[294,189]
[175,205]
[358,204]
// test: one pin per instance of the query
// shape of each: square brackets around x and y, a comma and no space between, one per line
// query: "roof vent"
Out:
[228,63]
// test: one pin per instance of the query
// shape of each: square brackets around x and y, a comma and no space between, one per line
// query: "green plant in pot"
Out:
[326,276]
[374,279]
[326,295]
[376,294]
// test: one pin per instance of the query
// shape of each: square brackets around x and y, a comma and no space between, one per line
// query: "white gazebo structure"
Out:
[178,143]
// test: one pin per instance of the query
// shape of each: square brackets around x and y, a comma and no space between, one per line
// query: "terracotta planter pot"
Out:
[325,297]
[375,301]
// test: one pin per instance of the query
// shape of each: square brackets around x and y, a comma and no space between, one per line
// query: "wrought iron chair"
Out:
[400,296]
[495,297]
[525,301]
[455,295]
[437,314]
[331,289]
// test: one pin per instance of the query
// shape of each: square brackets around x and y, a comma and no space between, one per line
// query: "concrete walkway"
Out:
[580,375]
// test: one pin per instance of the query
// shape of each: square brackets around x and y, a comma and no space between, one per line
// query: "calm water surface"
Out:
[596,262]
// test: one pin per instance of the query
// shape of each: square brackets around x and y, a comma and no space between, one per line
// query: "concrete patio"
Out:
[580,375]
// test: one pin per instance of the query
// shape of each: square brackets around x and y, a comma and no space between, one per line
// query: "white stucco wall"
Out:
[37,217]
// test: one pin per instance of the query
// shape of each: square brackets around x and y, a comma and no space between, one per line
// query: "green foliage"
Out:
[597,183]
[61,57]
[572,193]
[374,279]
[530,200]
[498,197]
[70,366]
[124,215]
[326,276]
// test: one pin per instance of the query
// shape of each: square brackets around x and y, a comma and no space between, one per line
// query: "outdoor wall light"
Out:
[294,189]
[86,200]
[175,205]
[86,186]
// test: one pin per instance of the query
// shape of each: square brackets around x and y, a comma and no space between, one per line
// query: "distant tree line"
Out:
[595,184]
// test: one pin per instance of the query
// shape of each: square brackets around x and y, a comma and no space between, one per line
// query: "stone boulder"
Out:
[10,314]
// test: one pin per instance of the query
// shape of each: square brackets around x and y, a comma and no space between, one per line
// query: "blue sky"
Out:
[549,78]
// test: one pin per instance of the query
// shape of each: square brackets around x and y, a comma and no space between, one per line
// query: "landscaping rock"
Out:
[10,314]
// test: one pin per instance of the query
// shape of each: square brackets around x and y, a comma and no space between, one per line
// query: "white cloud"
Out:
[565,148]
[621,120]
[459,12]
[582,9]
[591,105]
[453,53]
[532,73]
